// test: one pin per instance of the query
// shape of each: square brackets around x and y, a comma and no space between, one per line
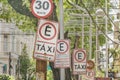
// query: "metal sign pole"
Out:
[62,71]
[106,39]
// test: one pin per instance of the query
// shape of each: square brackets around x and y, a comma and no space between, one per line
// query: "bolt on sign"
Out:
[79,61]
[46,40]
[62,58]
[42,8]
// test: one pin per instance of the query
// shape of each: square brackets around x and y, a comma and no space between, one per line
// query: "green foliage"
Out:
[6,77]
[49,75]
[115,54]
[99,74]
[24,22]
[27,66]
[32,70]
[101,39]
[74,25]
[24,63]
[26,3]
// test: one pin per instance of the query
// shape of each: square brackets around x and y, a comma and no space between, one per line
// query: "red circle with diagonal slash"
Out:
[84,55]
[43,26]
[66,47]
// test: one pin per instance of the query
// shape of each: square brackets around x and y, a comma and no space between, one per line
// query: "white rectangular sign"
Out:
[46,40]
[79,61]
[62,59]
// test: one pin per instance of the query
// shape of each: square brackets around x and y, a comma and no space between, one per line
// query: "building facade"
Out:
[12,41]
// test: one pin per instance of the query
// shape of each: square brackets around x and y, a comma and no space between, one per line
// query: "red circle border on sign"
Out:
[51,10]
[43,26]
[93,73]
[90,62]
[83,53]
[65,50]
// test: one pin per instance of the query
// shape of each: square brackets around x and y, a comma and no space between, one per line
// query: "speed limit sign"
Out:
[42,8]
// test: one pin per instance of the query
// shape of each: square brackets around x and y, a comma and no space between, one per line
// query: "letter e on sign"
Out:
[47,31]
[62,46]
[80,55]
[90,73]
[46,40]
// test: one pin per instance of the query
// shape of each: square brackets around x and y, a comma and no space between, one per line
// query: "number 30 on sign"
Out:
[42,8]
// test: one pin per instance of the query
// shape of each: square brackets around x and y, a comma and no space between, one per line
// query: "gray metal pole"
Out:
[90,40]
[96,54]
[80,77]
[106,39]
[83,32]
[62,71]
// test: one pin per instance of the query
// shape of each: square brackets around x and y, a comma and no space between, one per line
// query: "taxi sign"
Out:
[90,74]
[79,61]
[46,40]
[62,59]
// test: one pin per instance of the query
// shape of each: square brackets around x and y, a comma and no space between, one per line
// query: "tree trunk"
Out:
[41,69]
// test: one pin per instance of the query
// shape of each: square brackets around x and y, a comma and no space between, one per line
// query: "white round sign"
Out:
[90,73]
[42,8]
[62,46]
[47,31]
[80,55]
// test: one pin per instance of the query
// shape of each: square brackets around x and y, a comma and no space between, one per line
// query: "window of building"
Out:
[5,43]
